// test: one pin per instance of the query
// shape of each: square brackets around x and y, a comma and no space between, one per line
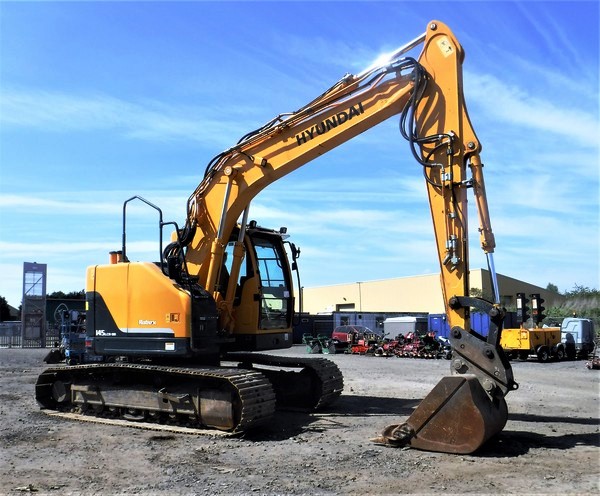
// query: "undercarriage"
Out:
[234,398]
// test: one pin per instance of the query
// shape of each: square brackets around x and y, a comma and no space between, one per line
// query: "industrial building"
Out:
[414,294]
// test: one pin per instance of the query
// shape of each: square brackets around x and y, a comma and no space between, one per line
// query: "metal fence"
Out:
[11,336]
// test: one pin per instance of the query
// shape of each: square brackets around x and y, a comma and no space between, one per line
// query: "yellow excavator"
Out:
[163,333]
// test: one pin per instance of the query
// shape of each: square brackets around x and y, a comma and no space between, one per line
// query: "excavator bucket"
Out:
[457,416]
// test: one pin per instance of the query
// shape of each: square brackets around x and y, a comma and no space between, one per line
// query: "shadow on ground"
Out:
[515,443]
[289,424]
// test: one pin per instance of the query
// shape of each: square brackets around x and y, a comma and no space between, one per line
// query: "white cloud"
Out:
[515,106]
[52,206]
[96,204]
[56,248]
[53,111]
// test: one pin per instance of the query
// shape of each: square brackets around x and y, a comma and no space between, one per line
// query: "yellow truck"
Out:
[544,342]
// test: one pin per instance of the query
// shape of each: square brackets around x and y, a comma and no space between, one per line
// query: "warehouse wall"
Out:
[414,294]
[509,287]
[410,294]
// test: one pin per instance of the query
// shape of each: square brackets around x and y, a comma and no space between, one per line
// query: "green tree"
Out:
[580,301]
[582,292]
[4,309]
[478,293]
[552,287]
[73,295]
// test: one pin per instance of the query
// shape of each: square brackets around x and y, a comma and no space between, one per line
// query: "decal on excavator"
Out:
[445,46]
[146,322]
[329,123]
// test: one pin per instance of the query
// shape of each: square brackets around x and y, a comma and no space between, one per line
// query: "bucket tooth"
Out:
[457,416]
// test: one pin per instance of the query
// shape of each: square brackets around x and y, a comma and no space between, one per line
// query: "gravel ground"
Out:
[550,444]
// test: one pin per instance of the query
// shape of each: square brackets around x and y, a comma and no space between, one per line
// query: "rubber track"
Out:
[329,375]
[254,390]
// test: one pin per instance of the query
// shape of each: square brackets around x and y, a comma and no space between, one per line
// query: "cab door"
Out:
[264,303]
[276,300]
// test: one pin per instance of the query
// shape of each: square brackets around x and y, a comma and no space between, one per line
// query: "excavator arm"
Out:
[463,410]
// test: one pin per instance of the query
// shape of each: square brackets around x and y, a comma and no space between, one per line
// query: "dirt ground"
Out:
[550,444]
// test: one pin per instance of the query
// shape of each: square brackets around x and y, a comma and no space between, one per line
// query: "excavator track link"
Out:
[146,426]
[318,383]
[228,399]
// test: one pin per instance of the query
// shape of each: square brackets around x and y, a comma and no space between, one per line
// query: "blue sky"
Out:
[102,101]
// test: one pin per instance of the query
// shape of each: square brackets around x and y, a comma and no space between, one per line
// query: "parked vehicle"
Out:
[543,342]
[354,338]
[578,337]
[396,326]
[573,339]
[422,345]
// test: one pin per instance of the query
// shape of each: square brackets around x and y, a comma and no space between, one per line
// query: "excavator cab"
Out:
[263,306]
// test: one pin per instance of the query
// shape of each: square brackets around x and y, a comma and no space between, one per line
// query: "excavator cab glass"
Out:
[275,294]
